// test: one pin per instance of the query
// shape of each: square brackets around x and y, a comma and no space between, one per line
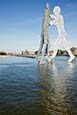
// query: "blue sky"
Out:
[21,21]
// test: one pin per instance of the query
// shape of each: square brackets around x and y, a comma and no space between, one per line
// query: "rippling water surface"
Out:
[27,88]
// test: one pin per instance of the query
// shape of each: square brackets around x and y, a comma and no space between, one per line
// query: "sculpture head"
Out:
[47,5]
[56,10]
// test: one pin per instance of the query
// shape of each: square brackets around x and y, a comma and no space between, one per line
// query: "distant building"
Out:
[24,52]
[31,52]
[74,50]
[28,52]
[12,53]
[60,52]
[65,53]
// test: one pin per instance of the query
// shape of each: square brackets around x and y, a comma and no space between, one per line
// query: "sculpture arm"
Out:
[52,16]
[52,23]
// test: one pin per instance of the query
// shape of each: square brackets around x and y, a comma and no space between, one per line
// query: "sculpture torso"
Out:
[59,23]
[46,20]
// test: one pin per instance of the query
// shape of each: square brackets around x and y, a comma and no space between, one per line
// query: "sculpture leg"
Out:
[42,61]
[68,50]
[55,50]
[41,46]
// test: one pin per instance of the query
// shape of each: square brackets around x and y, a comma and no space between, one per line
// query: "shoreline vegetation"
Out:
[33,54]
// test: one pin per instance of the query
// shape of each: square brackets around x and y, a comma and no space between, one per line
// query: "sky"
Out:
[21,22]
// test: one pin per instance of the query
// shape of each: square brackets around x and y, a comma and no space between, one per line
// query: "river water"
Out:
[27,88]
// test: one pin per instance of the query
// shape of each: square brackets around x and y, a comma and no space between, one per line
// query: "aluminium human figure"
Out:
[44,44]
[58,21]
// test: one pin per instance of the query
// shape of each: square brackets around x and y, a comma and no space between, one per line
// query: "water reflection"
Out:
[28,89]
[45,88]
[56,88]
